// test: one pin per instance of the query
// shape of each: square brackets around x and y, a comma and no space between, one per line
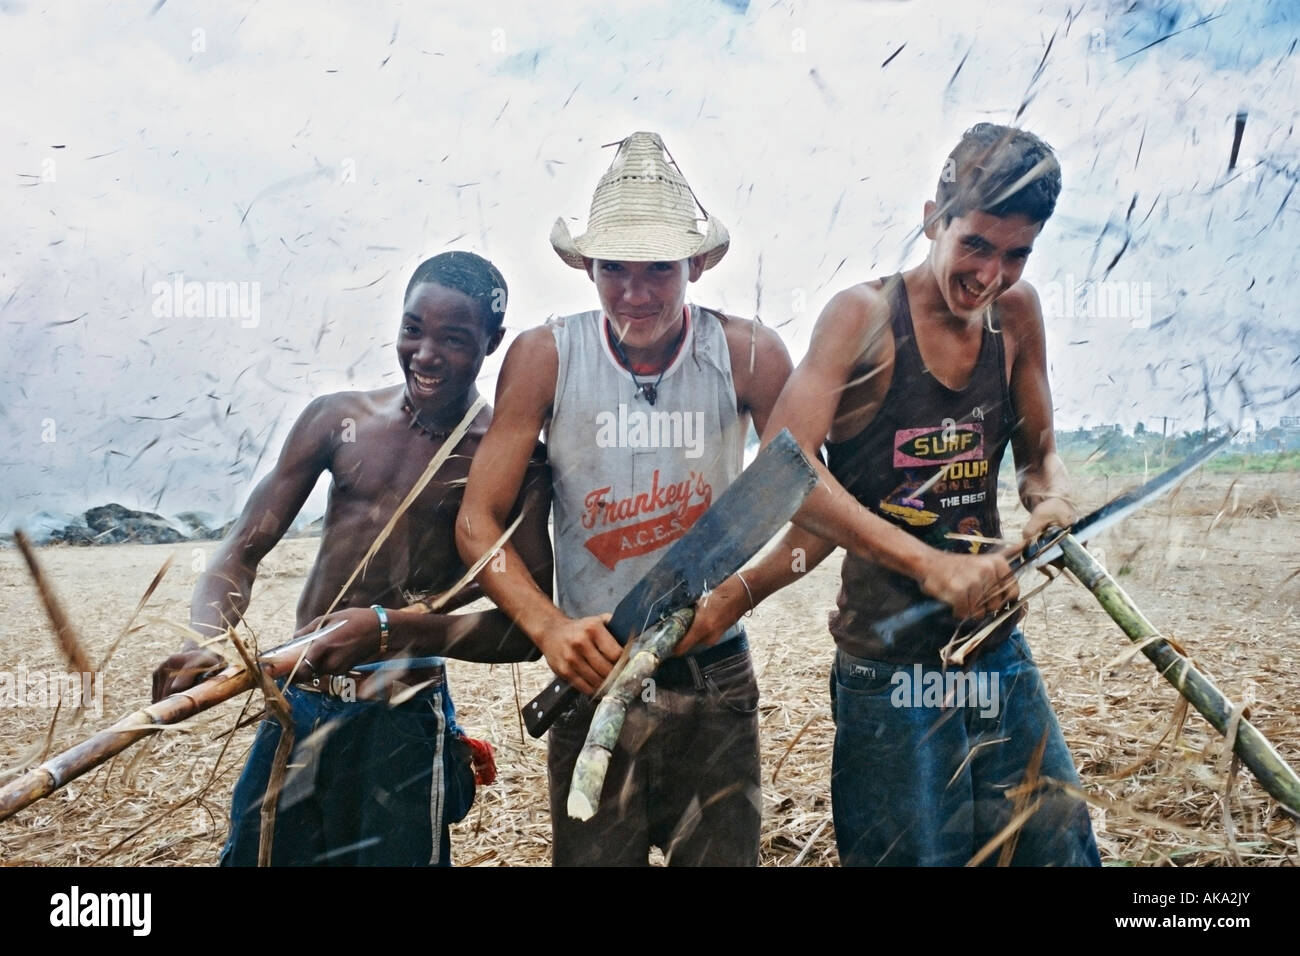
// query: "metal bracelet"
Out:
[750,613]
[383,627]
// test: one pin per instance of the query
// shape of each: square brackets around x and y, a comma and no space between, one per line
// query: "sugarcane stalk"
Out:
[41,781]
[229,682]
[1254,749]
[645,655]
[54,773]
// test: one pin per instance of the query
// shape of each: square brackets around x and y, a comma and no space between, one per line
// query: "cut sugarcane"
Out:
[1272,772]
[644,657]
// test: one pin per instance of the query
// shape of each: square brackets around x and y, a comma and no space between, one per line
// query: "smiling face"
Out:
[644,300]
[441,345]
[978,256]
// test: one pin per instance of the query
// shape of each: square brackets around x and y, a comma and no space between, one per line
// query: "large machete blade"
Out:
[1045,549]
[755,507]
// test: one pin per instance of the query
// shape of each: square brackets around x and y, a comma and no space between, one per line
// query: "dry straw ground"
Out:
[1215,566]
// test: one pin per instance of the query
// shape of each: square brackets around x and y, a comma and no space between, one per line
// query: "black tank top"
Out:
[928,463]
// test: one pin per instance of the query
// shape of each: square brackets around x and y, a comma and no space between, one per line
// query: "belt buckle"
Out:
[335,686]
[342,687]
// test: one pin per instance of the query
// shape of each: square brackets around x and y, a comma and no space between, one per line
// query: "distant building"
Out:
[1280,438]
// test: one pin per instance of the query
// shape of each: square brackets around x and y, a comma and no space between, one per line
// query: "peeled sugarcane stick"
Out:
[1272,772]
[645,655]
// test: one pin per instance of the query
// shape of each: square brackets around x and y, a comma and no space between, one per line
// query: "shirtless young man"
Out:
[606,384]
[916,383]
[373,783]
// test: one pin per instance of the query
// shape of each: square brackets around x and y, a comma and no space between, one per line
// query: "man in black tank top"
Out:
[916,384]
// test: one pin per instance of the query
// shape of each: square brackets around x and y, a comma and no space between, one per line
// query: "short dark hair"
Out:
[473,275]
[1002,171]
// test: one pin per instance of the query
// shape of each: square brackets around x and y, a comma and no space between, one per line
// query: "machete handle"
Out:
[542,710]
[891,629]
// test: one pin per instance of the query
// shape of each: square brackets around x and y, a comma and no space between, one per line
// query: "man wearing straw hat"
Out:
[646,402]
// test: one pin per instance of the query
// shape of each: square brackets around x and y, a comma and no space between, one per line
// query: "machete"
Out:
[1046,548]
[749,513]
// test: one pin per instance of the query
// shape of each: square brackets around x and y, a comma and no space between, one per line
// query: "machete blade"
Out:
[1046,549]
[300,641]
[1113,512]
[735,527]
[749,513]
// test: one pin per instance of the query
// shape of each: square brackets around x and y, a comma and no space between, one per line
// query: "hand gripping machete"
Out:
[749,513]
[1046,548]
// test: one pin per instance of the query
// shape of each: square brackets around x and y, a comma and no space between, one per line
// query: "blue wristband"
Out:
[383,627]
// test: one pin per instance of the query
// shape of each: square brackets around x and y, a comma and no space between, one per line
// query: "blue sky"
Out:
[322,153]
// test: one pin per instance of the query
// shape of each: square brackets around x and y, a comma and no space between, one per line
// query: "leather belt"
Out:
[678,672]
[381,685]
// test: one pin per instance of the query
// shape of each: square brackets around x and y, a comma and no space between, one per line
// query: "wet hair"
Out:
[999,170]
[469,274]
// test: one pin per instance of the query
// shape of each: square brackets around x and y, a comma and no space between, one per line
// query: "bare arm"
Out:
[581,651]
[1043,482]
[798,551]
[760,367]
[487,637]
[972,584]
[807,408]
[221,594]
[532,538]
[794,555]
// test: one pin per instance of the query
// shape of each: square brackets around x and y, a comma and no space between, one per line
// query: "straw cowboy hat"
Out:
[643,211]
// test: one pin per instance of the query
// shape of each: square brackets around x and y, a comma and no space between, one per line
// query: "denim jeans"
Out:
[684,776]
[367,785]
[918,783]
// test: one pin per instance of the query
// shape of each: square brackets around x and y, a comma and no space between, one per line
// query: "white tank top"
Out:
[630,478]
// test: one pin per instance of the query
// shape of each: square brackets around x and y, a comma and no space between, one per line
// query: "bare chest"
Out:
[950,354]
[376,472]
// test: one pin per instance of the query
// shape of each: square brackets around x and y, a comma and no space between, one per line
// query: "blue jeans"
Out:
[367,784]
[923,760]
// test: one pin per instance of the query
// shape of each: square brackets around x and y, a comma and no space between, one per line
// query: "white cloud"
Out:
[485,124]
